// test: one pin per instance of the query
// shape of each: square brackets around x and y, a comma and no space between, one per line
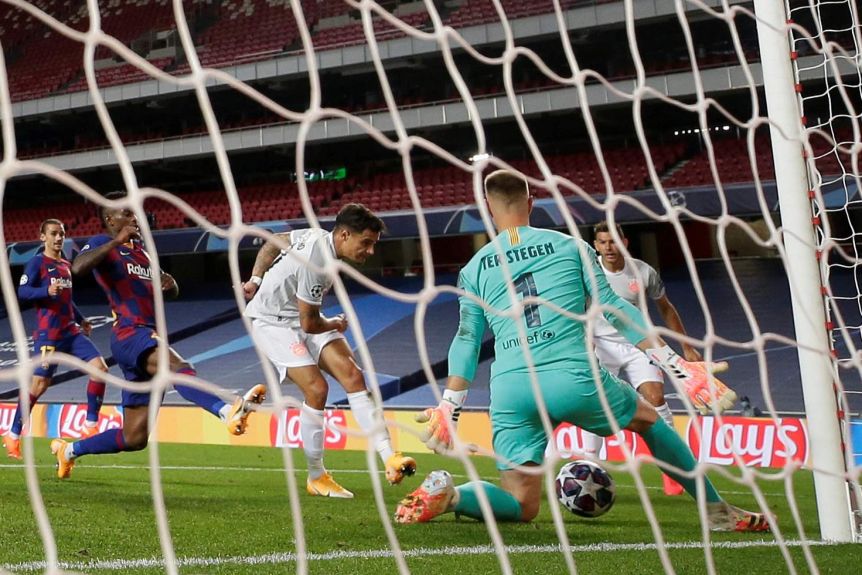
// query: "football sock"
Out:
[95,394]
[666,445]
[592,444]
[110,441]
[18,420]
[311,431]
[503,504]
[199,397]
[368,417]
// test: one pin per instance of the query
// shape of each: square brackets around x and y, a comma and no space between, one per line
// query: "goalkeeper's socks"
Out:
[199,397]
[17,419]
[503,504]
[110,441]
[312,434]
[666,445]
[95,394]
[368,417]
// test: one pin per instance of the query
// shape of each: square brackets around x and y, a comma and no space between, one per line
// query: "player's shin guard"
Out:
[18,419]
[667,446]
[368,418]
[311,430]
[199,397]
[503,504]
[110,441]
[95,395]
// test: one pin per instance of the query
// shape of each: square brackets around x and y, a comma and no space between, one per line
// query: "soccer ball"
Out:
[585,489]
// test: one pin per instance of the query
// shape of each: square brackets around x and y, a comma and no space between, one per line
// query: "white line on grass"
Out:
[280,558]
[299,471]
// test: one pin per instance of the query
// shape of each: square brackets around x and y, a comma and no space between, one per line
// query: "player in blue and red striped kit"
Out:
[122,268]
[47,283]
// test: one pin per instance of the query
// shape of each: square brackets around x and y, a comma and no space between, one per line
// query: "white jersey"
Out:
[627,285]
[292,277]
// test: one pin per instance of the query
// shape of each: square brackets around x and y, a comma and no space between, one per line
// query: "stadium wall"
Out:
[758,442]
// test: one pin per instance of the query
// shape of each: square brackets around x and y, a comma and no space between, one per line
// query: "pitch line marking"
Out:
[298,471]
[281,558]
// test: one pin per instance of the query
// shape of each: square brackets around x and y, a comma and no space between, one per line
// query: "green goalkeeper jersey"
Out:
[556,270]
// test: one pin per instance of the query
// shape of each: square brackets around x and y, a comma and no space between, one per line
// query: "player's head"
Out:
[356,232]
[52,233]
[605,244]
[508,196]
[115,219]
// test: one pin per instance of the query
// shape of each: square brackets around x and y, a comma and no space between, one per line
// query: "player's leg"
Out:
[82,347]
[234,415]
[648,380]
[519,439]
[337,360]
[41,380]
[314,389]
[12,439]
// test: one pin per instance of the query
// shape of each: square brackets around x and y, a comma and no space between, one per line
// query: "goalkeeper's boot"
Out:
[397,466]
[671,485]
[326,486]
[64,464]
[725,517]
[13,447]
[433,497]
[237,420]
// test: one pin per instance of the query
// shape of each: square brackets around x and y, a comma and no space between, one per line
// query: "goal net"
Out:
[723,135]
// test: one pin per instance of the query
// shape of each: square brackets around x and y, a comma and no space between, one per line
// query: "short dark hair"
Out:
[507,186]
[103,210]
[48,222]
[357,218]
[604,226]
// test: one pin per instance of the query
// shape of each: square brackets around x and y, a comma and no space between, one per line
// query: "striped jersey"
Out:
[127,279]
[56,316]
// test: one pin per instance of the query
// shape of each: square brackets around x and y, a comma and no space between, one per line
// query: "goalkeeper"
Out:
[546,266]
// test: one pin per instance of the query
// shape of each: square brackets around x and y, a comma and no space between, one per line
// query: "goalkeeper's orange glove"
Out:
[694,376]
[441,421]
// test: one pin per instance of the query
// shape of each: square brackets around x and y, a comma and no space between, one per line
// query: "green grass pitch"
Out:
[229,512]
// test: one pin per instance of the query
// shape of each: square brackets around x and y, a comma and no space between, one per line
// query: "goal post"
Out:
[803,271]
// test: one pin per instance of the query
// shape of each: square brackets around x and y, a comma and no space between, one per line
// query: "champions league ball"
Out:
[585,489]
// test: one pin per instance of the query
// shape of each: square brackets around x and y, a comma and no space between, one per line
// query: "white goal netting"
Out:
[649,114]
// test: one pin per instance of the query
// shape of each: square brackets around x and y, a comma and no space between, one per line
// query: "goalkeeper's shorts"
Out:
[569,395]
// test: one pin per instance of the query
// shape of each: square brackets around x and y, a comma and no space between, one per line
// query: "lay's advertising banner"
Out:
[756,442]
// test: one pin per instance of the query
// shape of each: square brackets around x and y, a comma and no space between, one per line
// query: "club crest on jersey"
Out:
[634,286]
[145,273]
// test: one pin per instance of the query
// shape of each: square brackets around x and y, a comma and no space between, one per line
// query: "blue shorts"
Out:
[78,345]
[130,346]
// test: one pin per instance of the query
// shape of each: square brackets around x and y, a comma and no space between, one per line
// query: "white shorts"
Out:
[288,346]
[627,362]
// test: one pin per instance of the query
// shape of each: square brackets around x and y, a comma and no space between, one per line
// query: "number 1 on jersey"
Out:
[526,286]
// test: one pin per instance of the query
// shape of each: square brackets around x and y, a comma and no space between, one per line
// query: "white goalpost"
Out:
[810,201]
[800,243]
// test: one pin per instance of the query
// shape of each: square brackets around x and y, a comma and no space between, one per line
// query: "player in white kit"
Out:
[286,293]
[628,277]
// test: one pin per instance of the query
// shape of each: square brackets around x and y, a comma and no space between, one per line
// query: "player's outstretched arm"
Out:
[265,257]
